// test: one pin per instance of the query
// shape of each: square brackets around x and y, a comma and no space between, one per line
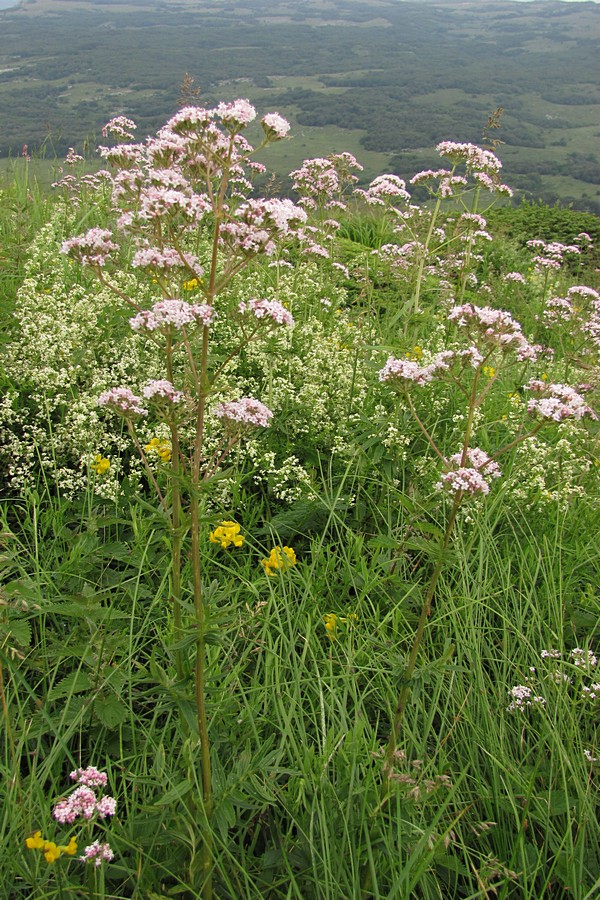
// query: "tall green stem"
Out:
[412,659]
[176,525]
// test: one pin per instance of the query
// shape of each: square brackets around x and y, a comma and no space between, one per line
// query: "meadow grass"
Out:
[304,663]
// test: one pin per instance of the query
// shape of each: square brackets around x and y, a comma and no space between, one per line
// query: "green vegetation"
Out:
[353,654]
[401,76]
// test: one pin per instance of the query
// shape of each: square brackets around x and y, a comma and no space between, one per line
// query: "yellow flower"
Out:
[161,447]
[489,371]
[36,842]
[415,354]
[331,621]
[544,376]
[101,464]
[71,848]
[191,285]
[281,558]
[51,851]
[227,533]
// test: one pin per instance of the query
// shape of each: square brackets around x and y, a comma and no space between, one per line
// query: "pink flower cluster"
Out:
[321,182]
[552,254]
[92,248]
[522,697]
[473,157]
[258,222]
[556,401]
[123,401]
[162,390]
[246,411]
[583,659]
[516,277]
[407,370]
[97,853]
[275,126]
[493,326]
[448,184]
[121,127]
[163,259]
[236,114]
[156,202]
[172,313]
[384,189]
[83,802]
[268,309]
[91,777]
[468,476]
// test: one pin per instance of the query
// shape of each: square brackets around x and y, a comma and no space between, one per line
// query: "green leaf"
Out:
[110,711]
[176,793]
[74,683]
[18,630]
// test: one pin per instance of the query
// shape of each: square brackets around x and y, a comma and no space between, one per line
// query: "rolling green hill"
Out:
[386,80]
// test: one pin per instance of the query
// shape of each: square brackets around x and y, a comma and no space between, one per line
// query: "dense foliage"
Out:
[299,529]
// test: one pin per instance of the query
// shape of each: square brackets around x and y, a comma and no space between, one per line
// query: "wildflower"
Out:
[172,312]
[583,659]
[523,697]
[97,853]
[90,776]
[162,390]
[516,277]
[50,849]
[83,802]
[489,371]
[591,693]
[467,476]
[274,126]
[236,114]
[552,653]
[493,327]
[384,188]
[245,411]
[268,309]
[331,621]
[71,848]
[123,401]
[191,284]
[107,806]
[92,248]
[101,464]
[161,447]
[35,842]
[280,558]
[227,533]
[120,126]
[556,401]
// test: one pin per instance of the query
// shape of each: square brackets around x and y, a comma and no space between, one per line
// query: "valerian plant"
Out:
[483,344]
[174,194]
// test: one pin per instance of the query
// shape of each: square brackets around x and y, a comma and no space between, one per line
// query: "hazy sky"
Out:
[5,4]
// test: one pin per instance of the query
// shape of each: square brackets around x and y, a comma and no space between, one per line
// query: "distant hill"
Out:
[384,79]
